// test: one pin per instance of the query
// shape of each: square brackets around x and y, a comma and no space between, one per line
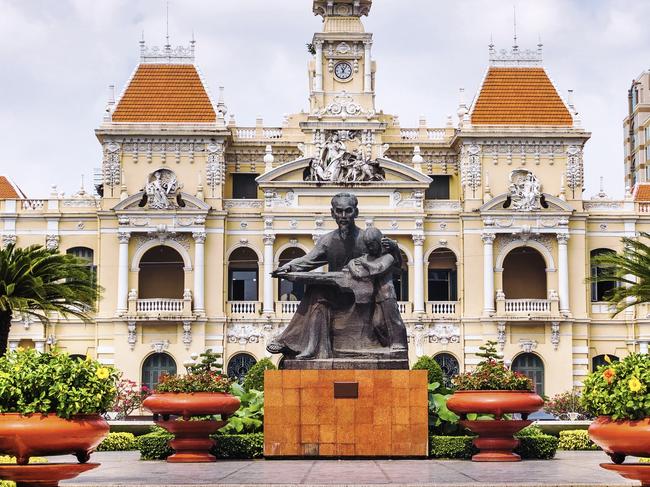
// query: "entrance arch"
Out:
[154,366]
[161,274]
[531,365]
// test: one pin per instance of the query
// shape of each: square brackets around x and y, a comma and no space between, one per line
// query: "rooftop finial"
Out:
[514,21]
[167,44]
[491,45]
[539,44]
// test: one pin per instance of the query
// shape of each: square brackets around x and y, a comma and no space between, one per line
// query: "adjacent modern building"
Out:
[193,212]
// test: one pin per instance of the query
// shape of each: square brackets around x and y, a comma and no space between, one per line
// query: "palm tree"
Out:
[36,282]
[629,270]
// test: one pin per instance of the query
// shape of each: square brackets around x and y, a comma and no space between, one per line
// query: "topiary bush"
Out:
[154,445]
[239,446]
[254,378]
[537,447]
[432,367]
[576,440]
[532,430]
[118,442]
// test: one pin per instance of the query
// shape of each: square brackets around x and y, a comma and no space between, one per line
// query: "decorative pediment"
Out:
[395,174]
[185,201]
[547,203]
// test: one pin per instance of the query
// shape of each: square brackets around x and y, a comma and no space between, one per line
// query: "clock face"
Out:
[343,70]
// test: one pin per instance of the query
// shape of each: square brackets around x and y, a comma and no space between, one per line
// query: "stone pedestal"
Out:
[345,413]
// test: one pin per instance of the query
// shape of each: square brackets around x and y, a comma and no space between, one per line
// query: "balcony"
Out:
[240,309]
[160,308]
[528,307]
[441,308]
[286,309]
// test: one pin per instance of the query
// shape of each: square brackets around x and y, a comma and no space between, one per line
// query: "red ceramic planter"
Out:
[496,440]
[621,438]
[495,402]
[192,441]
[47,434]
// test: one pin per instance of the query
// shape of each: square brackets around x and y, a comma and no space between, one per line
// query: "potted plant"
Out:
[51,404]
[188,405]
[490,392]
[567,405]
[129,398]
[617,393]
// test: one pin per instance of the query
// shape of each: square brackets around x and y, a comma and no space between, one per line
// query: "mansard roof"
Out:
[9,191]
[165,93]
[519,96]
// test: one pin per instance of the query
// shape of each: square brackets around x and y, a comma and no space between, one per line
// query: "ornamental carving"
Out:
[344,106]
[52,242]
[9,239]
[215,172]
[243,334]
[574,168]
[555,334]
[336,164]
[111,171]
[187,334]
[471,167]
[162,190]
[444,334]
[524,191]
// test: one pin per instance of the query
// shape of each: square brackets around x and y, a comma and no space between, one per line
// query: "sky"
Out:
[59,56]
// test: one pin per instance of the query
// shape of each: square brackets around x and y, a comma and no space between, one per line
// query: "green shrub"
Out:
[538,447]
[576,440]
[154,446]
[249,418]
[255,376]
[460,447]
[118,442]
[431,366]
[239,446]
[532,430]
[541,447]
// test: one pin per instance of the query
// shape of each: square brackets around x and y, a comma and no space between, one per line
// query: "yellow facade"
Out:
[500,252]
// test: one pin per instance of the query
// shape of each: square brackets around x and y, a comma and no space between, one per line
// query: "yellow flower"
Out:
[103,373]
[607,359]
[634,384]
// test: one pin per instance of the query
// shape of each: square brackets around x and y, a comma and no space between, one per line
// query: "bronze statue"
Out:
[350,311]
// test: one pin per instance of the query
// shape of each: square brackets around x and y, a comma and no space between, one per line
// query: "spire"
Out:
[515,47]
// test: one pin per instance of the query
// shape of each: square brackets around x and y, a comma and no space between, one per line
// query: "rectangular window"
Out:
[243,285]
[442,285]
[244,186]
[438,189]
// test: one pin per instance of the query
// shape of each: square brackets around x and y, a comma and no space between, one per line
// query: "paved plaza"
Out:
[567,469]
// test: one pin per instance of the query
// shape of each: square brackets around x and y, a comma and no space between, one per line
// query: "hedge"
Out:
[576,440]
[153,446]
[118,442]
[537,447]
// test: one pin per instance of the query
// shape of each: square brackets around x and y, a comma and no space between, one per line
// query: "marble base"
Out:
[345,413]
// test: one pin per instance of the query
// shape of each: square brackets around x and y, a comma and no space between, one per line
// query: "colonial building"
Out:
[194,212]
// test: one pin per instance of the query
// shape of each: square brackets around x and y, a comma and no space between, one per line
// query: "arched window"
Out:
[154,366]
[239,365]
[449,365]
[599,289]
[599,360]
[401,280]
[287,290]
[441,276]
[524,274]
[86,254]
[243,275]
[532,366]
[161,274]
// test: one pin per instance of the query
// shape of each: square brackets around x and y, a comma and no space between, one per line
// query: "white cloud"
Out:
[59,56]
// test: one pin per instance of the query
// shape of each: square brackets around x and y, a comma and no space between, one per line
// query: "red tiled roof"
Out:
[642,192]
[9,190]
[165,93]
[519,96]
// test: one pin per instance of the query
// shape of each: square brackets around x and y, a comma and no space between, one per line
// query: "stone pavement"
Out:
[567,469]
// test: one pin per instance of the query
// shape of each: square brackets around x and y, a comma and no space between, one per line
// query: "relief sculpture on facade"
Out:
[524,190]
[162,189]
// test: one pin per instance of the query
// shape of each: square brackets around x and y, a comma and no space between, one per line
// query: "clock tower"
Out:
[342,73]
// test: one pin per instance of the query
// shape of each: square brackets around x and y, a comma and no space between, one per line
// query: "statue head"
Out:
[344,210]
[372,238]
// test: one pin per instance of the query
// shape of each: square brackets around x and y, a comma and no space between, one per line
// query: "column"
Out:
[123,273]
[563,270]
[267,305]
[199,272]
[418,277]
[488,273]
[318,85]
[367,70]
